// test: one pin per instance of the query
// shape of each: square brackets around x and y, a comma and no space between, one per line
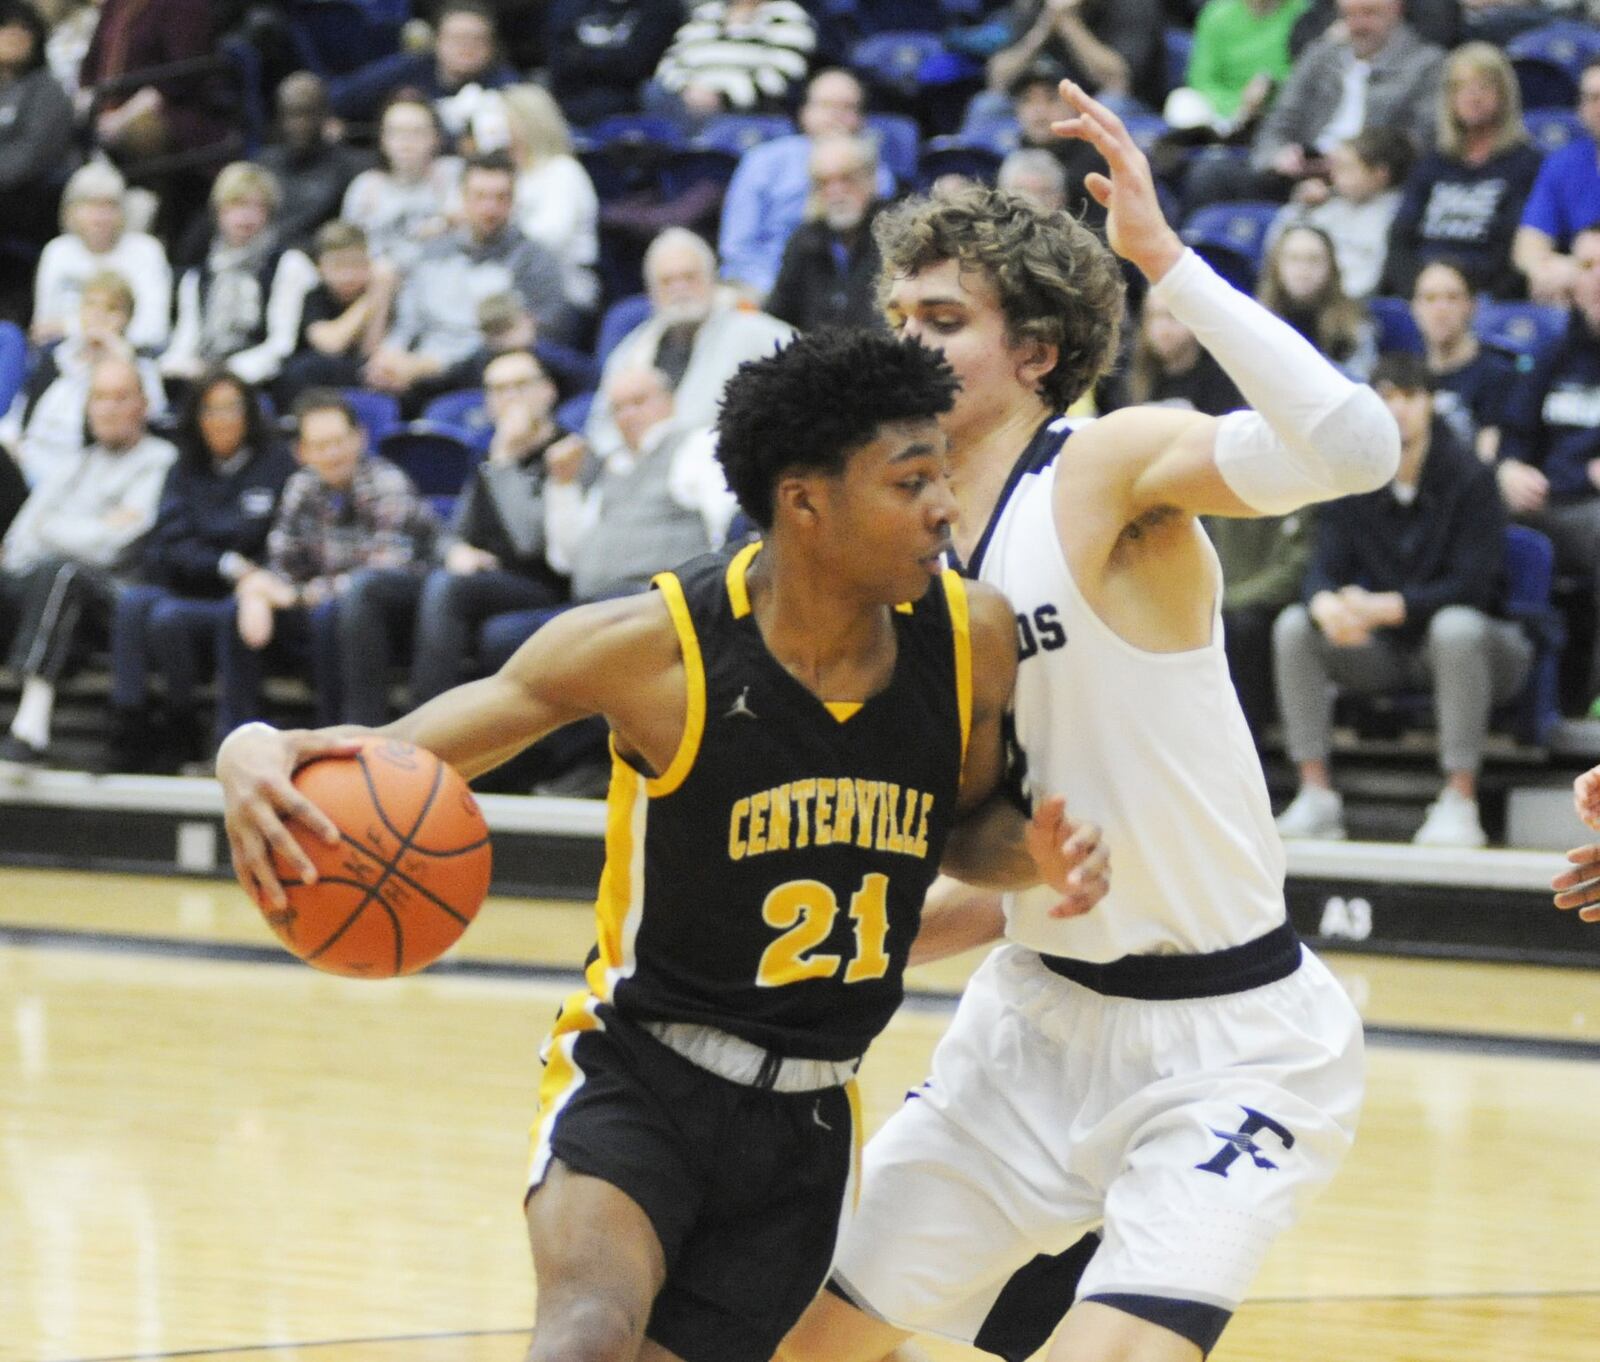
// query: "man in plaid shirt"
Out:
[348,522]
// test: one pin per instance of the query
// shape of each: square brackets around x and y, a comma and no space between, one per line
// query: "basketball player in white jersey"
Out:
[1129,1105]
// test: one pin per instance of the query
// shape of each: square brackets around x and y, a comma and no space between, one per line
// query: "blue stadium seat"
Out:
[1146,129]
[337,37]
[897,137]
[895,61]
[437,460]
[689,166]
[1552,129]
[13,363]
[463,414]
[997,131]
[1396,329]
[633,129]
[1178,44]
[1519,328]
[1231,237]
[621,317]
[1548,61]
[378,413]
[956,156]
[739,132]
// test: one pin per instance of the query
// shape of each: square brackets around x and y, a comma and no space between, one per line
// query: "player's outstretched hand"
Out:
[1580,887]
[1136,228]
[255,767]
[1069,857]
[1586,797]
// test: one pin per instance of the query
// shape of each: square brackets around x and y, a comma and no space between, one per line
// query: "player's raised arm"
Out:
[617,658]
[1313,434]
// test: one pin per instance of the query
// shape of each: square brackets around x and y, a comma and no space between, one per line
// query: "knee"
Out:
[1459,631]
[585,1329]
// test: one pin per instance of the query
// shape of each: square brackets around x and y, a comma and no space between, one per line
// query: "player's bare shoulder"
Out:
[993,628]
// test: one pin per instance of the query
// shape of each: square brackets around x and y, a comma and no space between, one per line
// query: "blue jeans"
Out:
[155,630]
[299,636]
[453,608]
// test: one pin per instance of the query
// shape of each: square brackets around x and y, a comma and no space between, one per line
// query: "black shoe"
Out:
[588,781]
[17,757]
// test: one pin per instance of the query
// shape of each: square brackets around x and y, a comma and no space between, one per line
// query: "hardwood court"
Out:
[254,1161]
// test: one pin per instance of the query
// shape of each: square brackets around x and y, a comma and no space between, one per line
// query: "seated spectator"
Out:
[1300,282]
[1240,55]
[1404,591]
[1110,47]
[1549,467]
[1470,383]
[46,425]
[767,197]
[63,557]
[241,306]
[436,316]
[1462,200]
[1370,71]
[343,319]
[465,61]
[94,240]
[494,549]
[1170,368]
[1564,200]
[35,124]
[734,56]
[1356,205]
[347,518]
[505,325]
[406,203]
[313,165]
[829,275]
[1499,21]
[556,205]
[71,29]
[694,335]
[602,51]
[1035,175]
[210,535]
[1037,103]
[661,498]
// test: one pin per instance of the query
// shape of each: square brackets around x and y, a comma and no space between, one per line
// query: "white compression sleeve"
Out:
[1313,434]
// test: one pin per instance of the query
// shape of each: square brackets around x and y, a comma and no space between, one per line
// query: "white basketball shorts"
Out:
[1188,1133]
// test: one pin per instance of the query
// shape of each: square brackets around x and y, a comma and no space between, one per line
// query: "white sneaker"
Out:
[1452,821]
[1314,813]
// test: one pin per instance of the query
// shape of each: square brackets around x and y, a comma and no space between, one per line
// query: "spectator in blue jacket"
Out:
[1565,199]
[210,534]
[1550,435]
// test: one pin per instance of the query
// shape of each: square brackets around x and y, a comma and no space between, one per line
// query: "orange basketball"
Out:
[409,875]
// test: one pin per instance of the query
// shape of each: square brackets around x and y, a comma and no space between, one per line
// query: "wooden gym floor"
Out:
[209,1150]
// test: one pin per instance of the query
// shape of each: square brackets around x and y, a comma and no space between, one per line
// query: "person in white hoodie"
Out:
[60,557]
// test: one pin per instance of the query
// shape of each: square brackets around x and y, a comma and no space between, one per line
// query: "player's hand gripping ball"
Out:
[410,871]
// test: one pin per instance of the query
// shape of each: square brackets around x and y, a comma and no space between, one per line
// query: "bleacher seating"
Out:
[463,415]
[379,413]
[956,156]
[1396,328]
[1519,328]
[898,144]
[1231,237]
[1552,129]
[1548,60]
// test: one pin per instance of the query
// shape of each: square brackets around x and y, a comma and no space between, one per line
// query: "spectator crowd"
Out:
[358,350]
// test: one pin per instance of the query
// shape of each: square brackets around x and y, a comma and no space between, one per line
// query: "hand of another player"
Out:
[1069,857]
[1580,887]
[1136,227]
[255,767]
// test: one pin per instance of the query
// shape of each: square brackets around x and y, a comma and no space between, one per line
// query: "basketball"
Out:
[408,876]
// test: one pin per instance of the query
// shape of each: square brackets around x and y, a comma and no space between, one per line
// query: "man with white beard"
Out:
[829,275]
[695,334]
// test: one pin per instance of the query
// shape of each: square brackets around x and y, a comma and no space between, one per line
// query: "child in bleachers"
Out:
[343,318]
[1356,204]
[1300,282]
[407,202]
[45,427]
[240,305]
[94,239]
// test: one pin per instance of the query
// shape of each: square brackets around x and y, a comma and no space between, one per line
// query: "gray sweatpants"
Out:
[1470,661]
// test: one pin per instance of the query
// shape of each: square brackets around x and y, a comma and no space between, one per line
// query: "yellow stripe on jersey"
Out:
[955,591]
[843,710]
[562,1078]
[694,685]
[738,591]
[853,1092]
[619,887]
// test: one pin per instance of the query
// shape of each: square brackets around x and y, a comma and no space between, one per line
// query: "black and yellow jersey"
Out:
[769,881]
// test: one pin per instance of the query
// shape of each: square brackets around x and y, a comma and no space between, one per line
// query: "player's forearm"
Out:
[988,847]
[956,917]
[475,727]
[1312,435]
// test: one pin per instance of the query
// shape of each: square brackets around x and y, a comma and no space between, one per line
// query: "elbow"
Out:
[1359,443]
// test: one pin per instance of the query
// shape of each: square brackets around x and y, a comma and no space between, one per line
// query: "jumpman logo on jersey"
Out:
[740,708]
[1236,1143]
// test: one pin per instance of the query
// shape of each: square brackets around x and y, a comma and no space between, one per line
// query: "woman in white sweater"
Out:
[94,240]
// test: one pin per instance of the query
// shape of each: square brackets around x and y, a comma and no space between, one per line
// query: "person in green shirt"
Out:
[1240,54]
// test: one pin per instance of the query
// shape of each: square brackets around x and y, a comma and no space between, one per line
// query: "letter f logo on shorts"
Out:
[1241,1141]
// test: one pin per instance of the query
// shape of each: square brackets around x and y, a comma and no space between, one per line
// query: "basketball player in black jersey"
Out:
[799,730]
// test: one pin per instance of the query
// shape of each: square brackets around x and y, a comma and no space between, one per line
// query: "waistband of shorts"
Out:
[1163,978]
[744,1062]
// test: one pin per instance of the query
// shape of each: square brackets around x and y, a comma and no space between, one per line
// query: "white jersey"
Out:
[1151,746]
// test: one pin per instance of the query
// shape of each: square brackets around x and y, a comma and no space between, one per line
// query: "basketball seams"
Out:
[427,805]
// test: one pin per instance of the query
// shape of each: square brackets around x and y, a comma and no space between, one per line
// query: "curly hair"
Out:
[1057,282]
[813,402]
